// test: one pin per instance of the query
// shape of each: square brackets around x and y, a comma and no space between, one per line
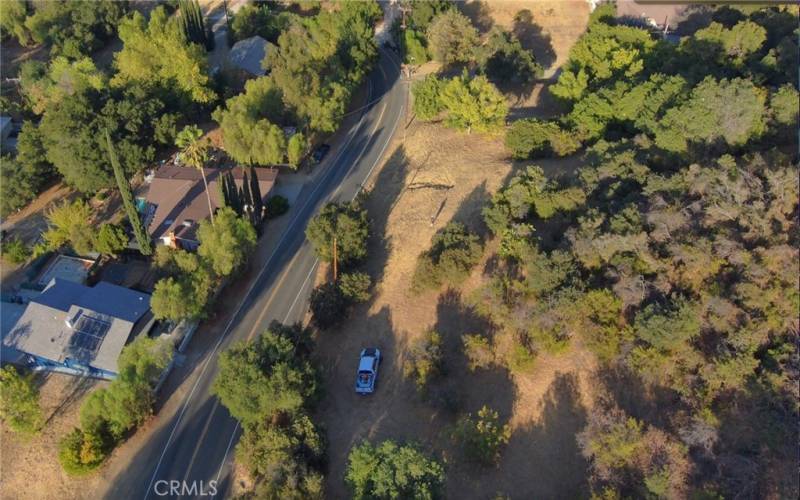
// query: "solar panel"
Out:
[90,330]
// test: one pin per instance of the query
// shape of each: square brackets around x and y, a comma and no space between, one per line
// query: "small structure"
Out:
[67,268]
[246,55]
[177,200]
[80,330]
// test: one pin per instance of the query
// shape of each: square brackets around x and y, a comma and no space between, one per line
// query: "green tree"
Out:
[452,38]
[706,116]
[454,252]
[26,175]
[193,24]
[320,62]
[45,86]
[111,239]
[529,137]
[427,103]
[248,124]
[425,359]
[285,458]
[15,251]
[194,151]
[478,350]
[414,47]
[12,21]
[265,376]
[339,233]
[328,306]
[19,402]
[424,11]
[296,149]
[74,28]
[473,103]
[81,452]
[139,231]
[157,50]
[175,300]
[483,437]
[503,59]
[227,244]
[70,223]
[784,105]
[389,471]
[355,286]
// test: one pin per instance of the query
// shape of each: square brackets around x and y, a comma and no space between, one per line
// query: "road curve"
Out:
[196,446]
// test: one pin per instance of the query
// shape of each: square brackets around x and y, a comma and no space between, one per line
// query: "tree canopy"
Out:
[390,470]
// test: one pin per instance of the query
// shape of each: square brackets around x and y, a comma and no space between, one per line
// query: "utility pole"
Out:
[227,21]
[335,263]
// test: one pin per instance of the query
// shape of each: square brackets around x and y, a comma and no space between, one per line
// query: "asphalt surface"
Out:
[196,447]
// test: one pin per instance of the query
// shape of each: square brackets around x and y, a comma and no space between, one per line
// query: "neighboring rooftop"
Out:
[89,325]
[248,54]
[179,196]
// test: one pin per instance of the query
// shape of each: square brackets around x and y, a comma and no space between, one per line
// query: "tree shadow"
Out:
[696,18]
[469,211]
[461,389]
[637,398]
[533,37]
[479,13]
[76,390]
[546,456]
[389,186]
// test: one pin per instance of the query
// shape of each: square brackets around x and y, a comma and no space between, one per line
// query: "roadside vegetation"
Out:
[19,401]
[270,385]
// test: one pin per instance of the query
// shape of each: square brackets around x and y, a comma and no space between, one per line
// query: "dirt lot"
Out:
[30,467]
[445,175]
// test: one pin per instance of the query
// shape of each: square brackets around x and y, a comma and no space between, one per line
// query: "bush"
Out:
[111,239]
[277,205]
[15,251]
[454,252]
[478,351]
[355,286]
[483,438]
[328,306]
[296,148]
[413,46]
[520,358]
[81,452]
[427,104]
[424,359]
[531,137]
[390,471]
[19,402]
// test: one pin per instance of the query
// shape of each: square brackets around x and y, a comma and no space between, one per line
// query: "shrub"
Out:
[81,452]
[424,359]
[355,286]
[520,358]
[277,205]
[19,402]
[413,46]
[531,137]
[15,251]
[483,438]
[111,239]
[328,305]
[389,471]
[478,351]
[454,252]
[427,104]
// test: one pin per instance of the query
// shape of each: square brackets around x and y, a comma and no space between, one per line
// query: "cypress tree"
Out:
[255,194]
[236,200]
[222,192]
[247,199]
[145,245]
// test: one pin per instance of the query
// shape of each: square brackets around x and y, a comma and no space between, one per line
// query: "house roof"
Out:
[179,195]
[101,319]
[248,54]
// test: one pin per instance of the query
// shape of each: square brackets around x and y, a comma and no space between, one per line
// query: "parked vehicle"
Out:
[320,152]
[368,370]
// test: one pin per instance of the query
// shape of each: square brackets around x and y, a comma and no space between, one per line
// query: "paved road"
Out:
[197,445]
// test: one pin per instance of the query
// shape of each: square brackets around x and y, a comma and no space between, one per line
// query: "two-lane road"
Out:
[196,446]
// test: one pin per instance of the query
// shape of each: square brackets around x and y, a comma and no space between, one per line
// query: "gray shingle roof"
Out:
[43,330]
[247,54]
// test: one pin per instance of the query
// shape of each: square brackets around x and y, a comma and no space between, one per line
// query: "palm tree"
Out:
[195,152]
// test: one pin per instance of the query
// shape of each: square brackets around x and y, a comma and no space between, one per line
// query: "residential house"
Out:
[176,200]
[247,56]
[81,330]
